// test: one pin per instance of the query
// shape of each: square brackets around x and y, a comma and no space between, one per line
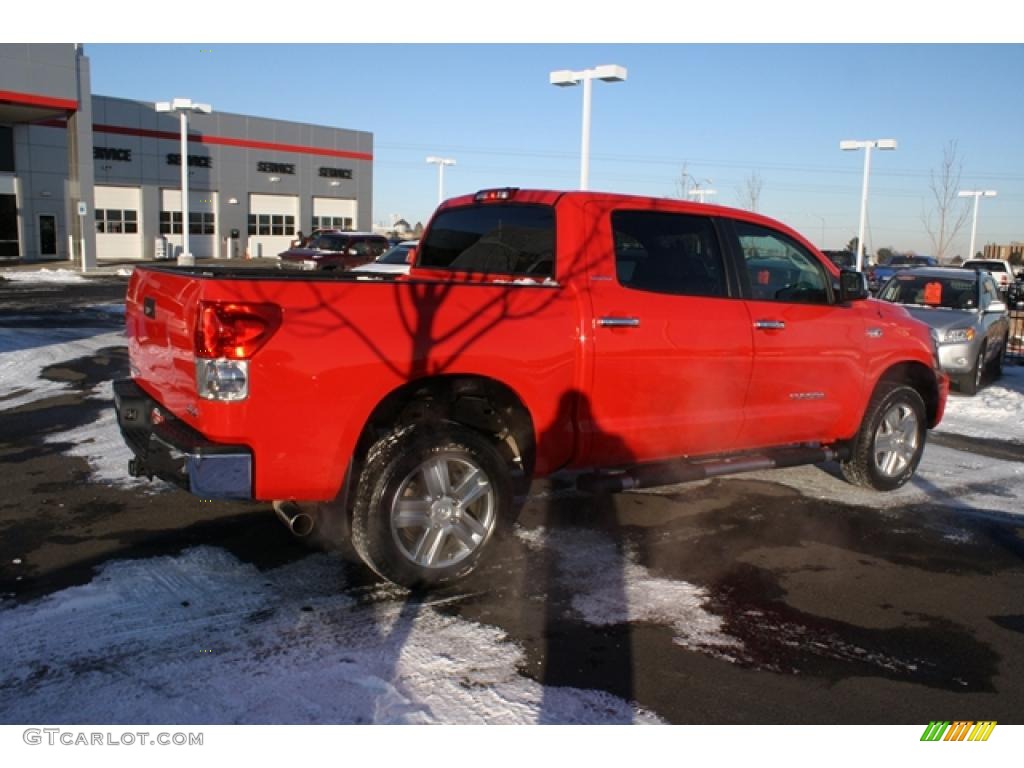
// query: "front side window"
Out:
[492,238]
[668,253]
[779,268]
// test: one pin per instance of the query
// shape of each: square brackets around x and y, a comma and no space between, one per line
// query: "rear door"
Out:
[672,347]
[808,370]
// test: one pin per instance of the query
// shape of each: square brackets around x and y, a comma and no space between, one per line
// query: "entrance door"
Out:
[47,235]
[9,226]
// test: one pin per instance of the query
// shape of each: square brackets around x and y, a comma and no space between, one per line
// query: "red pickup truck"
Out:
[629,341]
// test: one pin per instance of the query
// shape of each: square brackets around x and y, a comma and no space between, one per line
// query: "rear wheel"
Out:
[888,447]
[430,501]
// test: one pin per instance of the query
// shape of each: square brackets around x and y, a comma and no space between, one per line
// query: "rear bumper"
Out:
[167,448]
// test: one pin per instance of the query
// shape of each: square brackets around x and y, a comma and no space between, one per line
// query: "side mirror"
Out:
[996,306]
[853,286]
[410,257]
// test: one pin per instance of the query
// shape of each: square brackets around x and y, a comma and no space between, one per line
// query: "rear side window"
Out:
[492,239]
[668,253]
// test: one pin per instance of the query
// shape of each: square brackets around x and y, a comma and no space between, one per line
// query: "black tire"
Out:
[409,522]
[997,362]
[971,382]
[898,410]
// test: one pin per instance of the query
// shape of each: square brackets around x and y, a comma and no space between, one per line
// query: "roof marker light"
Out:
[490,195]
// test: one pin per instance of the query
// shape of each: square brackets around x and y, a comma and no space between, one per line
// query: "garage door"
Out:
[118,215]
[333,213]
[202,217]
[272,223]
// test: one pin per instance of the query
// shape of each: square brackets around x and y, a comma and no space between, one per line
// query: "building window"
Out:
[271,224]
[332,222]
[116,222]
[170,222]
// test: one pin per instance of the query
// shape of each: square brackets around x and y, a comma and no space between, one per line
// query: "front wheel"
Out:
[430,501]
[971,382]
[888,447]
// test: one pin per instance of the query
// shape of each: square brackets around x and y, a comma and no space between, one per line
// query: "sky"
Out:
[721,111]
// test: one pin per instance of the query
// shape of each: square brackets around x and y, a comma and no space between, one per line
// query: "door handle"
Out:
[770,325]
[618,322]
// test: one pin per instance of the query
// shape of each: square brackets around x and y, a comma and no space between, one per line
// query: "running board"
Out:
[689,470]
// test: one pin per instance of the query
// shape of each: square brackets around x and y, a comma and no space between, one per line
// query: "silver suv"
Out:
[967,316]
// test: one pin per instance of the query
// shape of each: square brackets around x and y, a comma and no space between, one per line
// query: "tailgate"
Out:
[160,317]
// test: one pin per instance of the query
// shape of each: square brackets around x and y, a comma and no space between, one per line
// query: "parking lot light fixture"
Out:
[183,107]
[976,194]
[609,73]
[853,144]
[440,162]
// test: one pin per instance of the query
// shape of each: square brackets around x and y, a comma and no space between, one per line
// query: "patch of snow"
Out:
[627,592]
[117,308]
[201,637]
[25,352]
[945,478]
[43,276]
[124,272]
[101,445]
[997,411]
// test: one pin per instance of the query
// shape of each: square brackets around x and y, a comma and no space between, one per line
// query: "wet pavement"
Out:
[737,600]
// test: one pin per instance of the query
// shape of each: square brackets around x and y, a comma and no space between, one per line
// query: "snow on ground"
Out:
[614,589]
[100,443]
[43,276]
[203,638]
[25,352]
[949,478]
[997,411]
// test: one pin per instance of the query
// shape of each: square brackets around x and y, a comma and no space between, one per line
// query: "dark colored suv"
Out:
[336,250]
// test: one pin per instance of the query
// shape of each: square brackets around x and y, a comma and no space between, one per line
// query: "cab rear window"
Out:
[492,239]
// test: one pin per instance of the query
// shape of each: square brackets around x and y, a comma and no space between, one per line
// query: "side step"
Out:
[689,470]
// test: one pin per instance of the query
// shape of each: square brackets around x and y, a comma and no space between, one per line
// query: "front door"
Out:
[47,235]
[672,348]
[808,351]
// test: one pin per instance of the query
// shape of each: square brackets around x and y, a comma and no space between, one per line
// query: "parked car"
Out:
[394,261]
[1001,270]
[880,273]
[336,250]
[842,259]
[967,315]
[616,339]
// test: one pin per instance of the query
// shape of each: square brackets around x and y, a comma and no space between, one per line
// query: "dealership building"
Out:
[102,176]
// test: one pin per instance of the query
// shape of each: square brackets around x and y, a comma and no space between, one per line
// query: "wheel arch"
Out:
[478,402]
[922,378]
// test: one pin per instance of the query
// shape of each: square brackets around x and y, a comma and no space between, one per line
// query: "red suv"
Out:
[336,250]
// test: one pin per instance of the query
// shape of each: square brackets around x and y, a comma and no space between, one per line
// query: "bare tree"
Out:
[948,213]
[750,193]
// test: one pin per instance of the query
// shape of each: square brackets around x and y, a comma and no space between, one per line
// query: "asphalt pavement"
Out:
[799,607]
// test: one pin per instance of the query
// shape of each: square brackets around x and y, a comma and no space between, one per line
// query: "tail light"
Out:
[234,330]
[227,335]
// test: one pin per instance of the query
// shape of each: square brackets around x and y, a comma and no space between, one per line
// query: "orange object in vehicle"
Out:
[933,293]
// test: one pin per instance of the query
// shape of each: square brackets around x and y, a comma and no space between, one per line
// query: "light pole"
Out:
[440,162]
[610,73]
[698,191]
[821,247]
[867,146]
[183,107]
[976,194]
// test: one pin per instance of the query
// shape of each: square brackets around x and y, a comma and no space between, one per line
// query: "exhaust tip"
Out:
[300,523]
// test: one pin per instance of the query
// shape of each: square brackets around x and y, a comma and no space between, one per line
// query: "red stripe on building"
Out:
[228,141]
[34,100]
